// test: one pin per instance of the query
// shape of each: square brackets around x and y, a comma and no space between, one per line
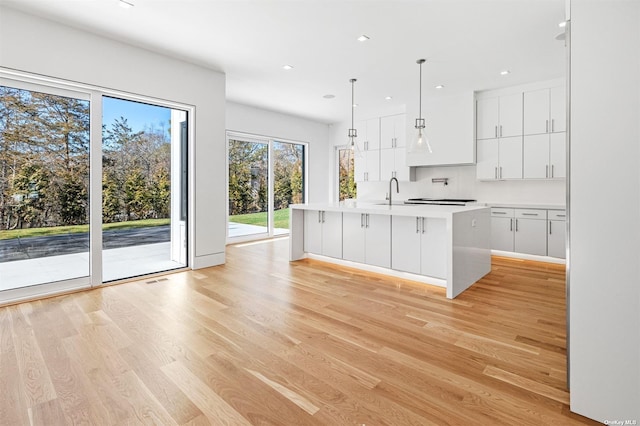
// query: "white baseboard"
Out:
[525,256]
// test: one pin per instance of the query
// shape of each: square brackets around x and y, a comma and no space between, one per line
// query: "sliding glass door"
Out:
[143,214]
[265,176]
[44,185]
[93,188]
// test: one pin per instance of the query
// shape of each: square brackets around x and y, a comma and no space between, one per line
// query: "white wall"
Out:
[605,210]
[35,45]
[257,121]
[463,184]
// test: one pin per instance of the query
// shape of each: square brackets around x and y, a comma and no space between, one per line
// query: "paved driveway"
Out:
[34,247]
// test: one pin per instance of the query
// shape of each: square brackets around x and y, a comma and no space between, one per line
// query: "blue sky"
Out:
[138,115]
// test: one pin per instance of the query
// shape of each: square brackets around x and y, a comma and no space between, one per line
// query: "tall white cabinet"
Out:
[499,137]
[522,135]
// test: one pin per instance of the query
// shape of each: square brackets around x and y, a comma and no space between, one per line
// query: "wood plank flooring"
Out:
[261,341]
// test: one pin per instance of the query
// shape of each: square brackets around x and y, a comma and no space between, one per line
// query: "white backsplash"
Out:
[462,183]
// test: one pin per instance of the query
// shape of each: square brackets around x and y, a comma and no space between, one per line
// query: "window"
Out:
[346,172]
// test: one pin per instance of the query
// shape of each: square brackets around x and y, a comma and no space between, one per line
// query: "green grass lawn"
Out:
[280,218]
[78,229]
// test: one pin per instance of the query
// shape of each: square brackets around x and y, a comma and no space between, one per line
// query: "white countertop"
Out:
[528,206]
[436,211]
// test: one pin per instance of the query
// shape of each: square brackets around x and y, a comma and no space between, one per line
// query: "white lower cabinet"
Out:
[556,243]
[323,233]
[530,235]
[502,229]
[529,231]
[419,245]
[366,238]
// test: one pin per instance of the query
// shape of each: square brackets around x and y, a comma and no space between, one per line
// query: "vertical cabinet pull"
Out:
[323,216]
[496,131]
[417,225]
[552,125]
[510,224]
[423,230]
[546,173]
[319,216]
[550,227]
[516,225]
[500,172]
[496,172]
[546,130]
[366,220]
[361,220]
[552,171]
[501,130]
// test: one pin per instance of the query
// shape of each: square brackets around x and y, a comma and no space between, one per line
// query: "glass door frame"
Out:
[248,137]
[94,94]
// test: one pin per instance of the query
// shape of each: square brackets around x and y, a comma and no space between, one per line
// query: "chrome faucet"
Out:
[397,187]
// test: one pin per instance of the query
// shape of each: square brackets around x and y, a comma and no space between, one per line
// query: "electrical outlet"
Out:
[473,223]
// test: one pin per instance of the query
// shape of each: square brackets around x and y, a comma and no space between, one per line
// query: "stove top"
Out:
[441,201]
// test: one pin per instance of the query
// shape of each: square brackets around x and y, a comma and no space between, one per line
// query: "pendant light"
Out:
[353,133]
[420,142]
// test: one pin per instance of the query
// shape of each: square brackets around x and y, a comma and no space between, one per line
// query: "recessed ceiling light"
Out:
[562,24]
[355,105]
[505,72]
[439,86]
[287,67]
[126,4]
[329,96]
[388,98]
[363,38]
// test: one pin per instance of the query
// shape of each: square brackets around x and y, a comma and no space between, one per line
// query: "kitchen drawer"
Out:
[502,212]
[530,214]
[557,214]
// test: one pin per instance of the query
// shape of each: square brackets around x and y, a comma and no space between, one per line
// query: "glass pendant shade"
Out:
[420,142]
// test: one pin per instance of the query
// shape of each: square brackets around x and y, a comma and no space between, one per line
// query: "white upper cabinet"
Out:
[536,112]
[367,166]
[545,156]
[510,114]
[545,111]
[393,164]
[368,134]
[558,109]
[393,131]
[499,117]
[499,158]
[487,118]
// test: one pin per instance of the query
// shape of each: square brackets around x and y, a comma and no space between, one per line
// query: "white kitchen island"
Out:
[448,246]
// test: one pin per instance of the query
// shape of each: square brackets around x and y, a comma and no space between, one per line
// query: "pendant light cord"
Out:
[352,100]
[420,106]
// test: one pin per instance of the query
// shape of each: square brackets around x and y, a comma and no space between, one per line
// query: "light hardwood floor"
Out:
[261,341]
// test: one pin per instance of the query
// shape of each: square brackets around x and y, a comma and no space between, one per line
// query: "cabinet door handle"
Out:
[367,221]
[501,130]
[552,171]
[361,220]
[417,225]
[552,124]
[510,224]
[516,225]
[499,212]
[366,176]
[500,172]
[546,130]
[546,173]
[423,230]
[319,216]
[495,172]
[550,227]
[323,212]
[529,214]
[562,215]
[496,131]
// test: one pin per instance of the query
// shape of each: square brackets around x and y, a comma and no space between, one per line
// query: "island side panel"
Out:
[296,234]
[471,251]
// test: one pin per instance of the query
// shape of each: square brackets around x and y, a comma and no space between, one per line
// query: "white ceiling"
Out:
[466,43]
